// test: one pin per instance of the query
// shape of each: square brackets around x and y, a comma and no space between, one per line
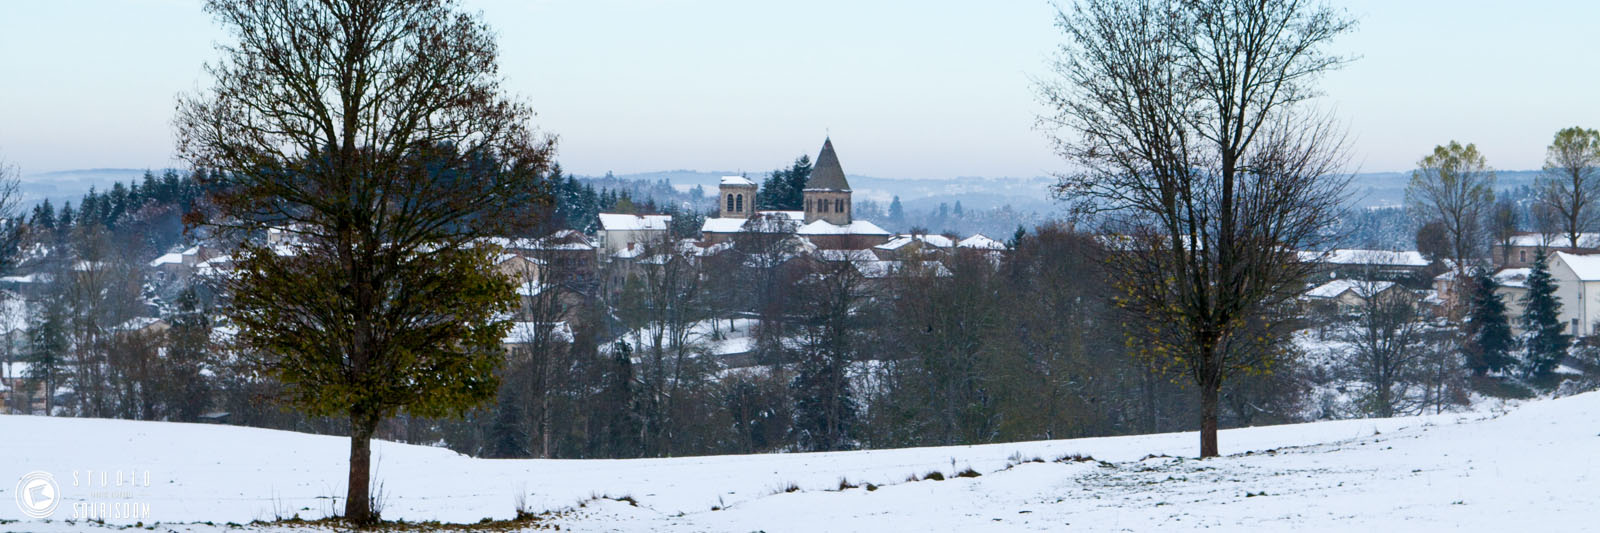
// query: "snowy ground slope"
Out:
[1536,464]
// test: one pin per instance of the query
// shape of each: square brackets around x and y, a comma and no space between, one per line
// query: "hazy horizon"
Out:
[941,91]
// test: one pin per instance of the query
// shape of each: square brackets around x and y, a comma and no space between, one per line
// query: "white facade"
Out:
[618,230]
[1577,279]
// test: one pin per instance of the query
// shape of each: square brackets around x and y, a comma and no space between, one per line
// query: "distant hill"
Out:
[70,185]
[1371,189]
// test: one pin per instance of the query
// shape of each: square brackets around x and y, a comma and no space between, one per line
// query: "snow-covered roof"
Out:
[1585,240]
[174,258]
[29,278]
[626,222]
[846,255]
[630,251]
[884,269]
[737,181]
[1406,258]
[1513,277]
[981,242]
[1586,267]
[1337,287]
[522,332]
[722,225]
[137,323]
[823,227]
[899,241]
[736,225]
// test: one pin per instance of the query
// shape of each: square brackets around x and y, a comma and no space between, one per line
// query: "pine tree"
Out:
[47,347]
[897,212]
[1488,333]
[1546,340]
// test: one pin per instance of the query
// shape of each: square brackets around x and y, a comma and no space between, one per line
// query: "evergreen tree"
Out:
[1487,331]
[784,189]
[1546,340]
[185,391]
[897,213]
[47,347]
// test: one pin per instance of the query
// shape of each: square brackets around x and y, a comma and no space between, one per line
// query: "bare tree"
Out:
[375,133]
[1570,185]
[1503,226]
[1186,123]
[1387,337]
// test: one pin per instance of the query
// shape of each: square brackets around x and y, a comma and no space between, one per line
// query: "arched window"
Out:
[740,209]
[730,202]
[838,205]
[808,205]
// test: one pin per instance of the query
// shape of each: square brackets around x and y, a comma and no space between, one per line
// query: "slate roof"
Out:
[827,175]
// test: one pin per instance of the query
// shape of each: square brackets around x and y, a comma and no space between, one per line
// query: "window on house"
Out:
[730,202]
[740,209]
[1522,256]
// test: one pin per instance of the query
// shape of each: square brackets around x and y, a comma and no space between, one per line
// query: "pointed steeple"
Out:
[826,174]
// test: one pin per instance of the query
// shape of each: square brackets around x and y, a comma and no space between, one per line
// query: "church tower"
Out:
[736,197]
[827,193]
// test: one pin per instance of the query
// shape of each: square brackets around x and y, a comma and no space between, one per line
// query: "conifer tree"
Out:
[1487,330]
[1546,339]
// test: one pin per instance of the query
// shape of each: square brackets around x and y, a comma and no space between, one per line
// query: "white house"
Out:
[618,230]
[1577,279]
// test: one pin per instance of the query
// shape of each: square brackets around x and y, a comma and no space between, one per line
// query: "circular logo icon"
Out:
[38,494]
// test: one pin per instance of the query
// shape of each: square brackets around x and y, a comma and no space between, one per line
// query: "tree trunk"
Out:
[1208,420]
[358,498]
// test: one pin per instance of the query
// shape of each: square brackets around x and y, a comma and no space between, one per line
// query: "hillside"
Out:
[1484,471]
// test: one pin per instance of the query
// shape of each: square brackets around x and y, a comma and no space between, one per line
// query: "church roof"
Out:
[827,175]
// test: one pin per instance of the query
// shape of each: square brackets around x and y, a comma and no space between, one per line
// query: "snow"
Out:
[1502,468]
[738,181]
[1337,287]
[899,241]
[858,227]
[1513,277]
[981,242]
[524,332]
[723,225]
[174,258]
[1405,258]
[735,225]
[1587,240]
[626,222]
[1586,267]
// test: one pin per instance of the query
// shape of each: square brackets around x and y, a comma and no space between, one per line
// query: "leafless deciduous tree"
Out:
[1387,333]
[376,133]
[1187,128]
[1570,185]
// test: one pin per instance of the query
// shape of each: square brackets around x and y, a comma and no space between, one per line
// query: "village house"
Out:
[1524,246]
[619,231]
[1577,279]
[1386,265]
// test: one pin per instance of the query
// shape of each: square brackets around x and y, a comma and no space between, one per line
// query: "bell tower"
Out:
[736,197]
[827,193]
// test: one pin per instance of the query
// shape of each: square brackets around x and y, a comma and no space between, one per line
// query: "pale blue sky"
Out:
[907,89]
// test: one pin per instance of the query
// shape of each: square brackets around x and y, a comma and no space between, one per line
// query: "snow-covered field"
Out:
[1496,469]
